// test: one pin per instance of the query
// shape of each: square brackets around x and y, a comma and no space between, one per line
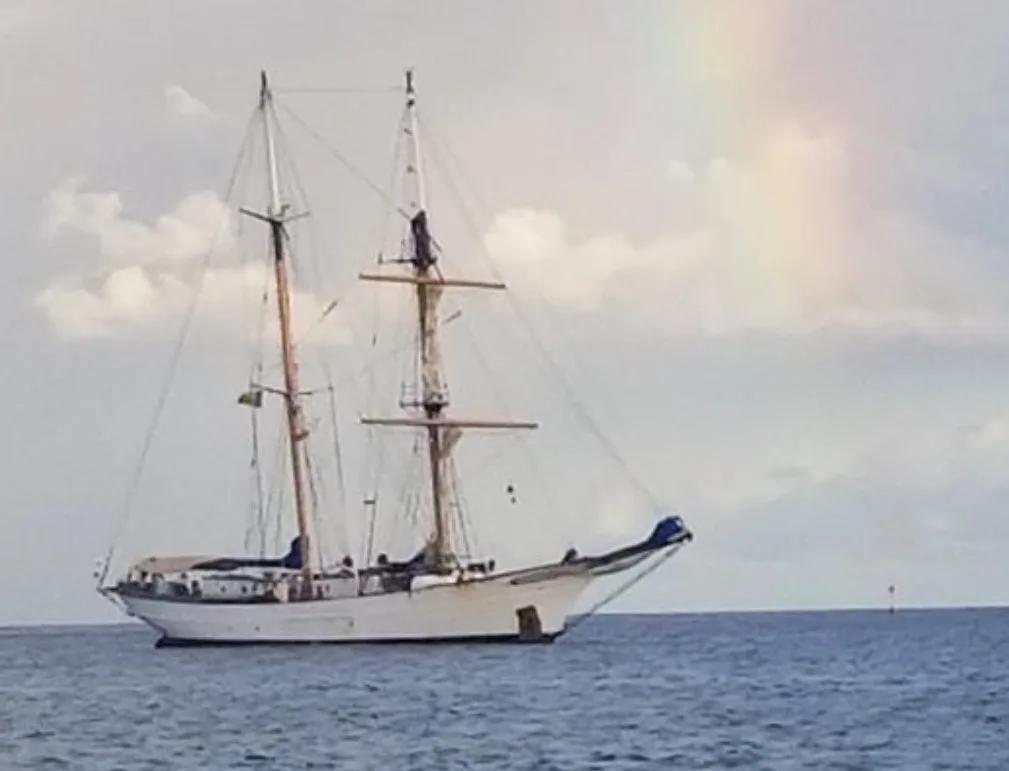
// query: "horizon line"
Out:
[6,626]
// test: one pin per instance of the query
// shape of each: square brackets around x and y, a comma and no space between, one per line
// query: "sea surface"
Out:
[838,690]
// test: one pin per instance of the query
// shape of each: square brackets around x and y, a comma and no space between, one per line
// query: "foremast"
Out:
[442,432]
[276,216]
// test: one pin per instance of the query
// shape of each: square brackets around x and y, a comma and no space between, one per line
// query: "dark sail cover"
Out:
[293,560]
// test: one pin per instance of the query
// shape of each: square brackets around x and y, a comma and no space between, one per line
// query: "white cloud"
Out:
[680,173]
[145,275]
[535,249]
[181,235]
[781,241]
[183,105]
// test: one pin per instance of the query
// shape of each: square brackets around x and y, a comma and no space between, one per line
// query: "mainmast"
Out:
[276,216]
[430,407]
[433,396]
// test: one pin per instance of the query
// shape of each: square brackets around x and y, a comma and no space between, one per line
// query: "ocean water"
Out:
[844,690]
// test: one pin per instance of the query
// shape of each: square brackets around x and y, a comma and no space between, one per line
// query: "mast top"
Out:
[264,89]
[410,93]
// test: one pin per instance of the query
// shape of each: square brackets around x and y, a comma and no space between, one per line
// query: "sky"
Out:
[760,247]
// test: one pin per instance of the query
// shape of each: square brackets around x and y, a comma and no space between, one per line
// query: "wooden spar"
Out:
[295,417]
[449,423]
[461,283]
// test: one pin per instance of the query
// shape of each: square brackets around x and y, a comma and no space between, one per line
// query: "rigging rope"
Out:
[339,90]
[372,476]
[277,489]
[397,150]
[624,588]
[519,439]
[469,540]
[255,378]
[546,355]
[350,167]
[354,171]
[338,456]
[176,354]
[314,497]
[583,412]
[258,518]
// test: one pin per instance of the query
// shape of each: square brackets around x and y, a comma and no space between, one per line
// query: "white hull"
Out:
[475,610]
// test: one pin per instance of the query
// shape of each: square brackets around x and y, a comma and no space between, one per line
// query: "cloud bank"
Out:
[143,277]
[780,241]
[911,499]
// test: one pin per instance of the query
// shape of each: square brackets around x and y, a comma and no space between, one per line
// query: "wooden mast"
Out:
[433,396]
[275,217]
[442,431]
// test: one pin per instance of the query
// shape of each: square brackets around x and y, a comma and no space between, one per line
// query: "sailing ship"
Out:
[439,593]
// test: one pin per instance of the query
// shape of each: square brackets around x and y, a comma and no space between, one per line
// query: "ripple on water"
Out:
[758,691]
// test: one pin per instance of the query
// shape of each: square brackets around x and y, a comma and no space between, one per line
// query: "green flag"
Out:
[253,398]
